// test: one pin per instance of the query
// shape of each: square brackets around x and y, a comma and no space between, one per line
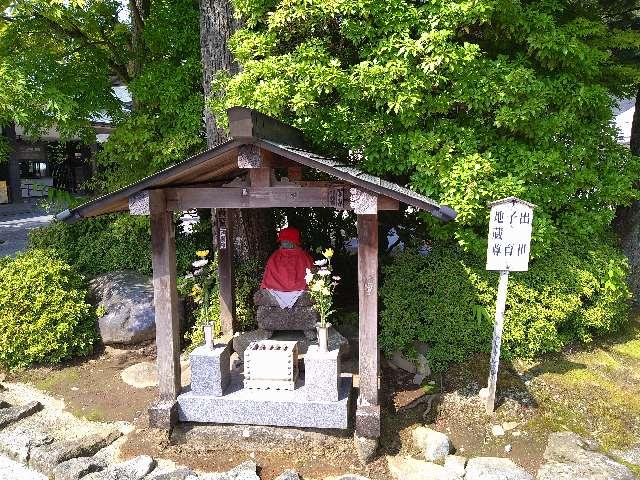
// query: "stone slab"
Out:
[294,318]
[13,414]
[266,407]
[210,369]
[46,458]
[322,374]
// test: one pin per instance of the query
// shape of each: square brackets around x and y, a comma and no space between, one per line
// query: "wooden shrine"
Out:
[241,173]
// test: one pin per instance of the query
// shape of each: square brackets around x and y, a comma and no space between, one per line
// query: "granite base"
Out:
[266,407]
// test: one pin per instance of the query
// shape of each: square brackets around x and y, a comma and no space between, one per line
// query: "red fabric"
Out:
[290,234]
[286,269]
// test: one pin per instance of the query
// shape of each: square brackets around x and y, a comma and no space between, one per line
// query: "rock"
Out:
[18,443]
[455,464]
[631,456]
[134,469]
[508,448]
[435,445]
[46,458]
[366,448]
[483,393]
[245,471]
[179,474]
[497,431]
[407,468]
[242,341]
[418,378]
[4,404]
[421,347]
[141,375]
[402,362]
[288,475]
[570,457]
[493,468]
[76,468]
[507,426]
[349,476]
[127,298]
[423,367]
[13,414]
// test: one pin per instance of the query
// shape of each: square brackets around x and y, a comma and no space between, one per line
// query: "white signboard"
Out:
[509,235]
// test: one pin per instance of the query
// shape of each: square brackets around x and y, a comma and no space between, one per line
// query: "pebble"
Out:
[509,426]
[497,431]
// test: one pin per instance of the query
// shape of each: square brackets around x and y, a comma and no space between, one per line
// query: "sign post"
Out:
[507,251]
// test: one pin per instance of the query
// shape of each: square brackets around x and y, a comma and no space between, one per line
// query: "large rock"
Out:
[407,468]
[570,457]
[127,298]
[435,445]
[494,468]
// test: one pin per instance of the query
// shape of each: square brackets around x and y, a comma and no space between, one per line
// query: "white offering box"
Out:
[271,364]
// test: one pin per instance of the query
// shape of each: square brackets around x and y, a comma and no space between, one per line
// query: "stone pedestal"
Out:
[322,374]
[210,370]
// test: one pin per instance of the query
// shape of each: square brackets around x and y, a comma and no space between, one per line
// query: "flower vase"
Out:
[323,344]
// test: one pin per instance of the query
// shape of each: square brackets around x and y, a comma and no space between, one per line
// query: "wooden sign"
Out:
[509,235]
[507,251]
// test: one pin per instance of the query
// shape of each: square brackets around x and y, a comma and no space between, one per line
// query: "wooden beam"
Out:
[165,296]
[224,241]
[245,123]
[186,198]
[368,327]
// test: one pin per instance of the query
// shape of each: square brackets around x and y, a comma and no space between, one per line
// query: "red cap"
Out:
[290,234]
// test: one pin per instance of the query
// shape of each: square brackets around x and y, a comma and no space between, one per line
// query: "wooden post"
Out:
[165,298]
[368,409]
[224,241]
[497,341]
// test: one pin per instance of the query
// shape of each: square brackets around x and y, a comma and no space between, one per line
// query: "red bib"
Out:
[286,269]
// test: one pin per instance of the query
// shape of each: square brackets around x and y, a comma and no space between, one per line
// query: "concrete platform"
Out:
[282,408]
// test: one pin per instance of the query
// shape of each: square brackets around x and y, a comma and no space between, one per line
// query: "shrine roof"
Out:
[219,165]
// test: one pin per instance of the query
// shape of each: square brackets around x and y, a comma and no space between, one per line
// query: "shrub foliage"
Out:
[44,315]
[447,299]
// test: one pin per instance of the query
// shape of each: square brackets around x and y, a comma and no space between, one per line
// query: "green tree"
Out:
[465,101]
[60,60]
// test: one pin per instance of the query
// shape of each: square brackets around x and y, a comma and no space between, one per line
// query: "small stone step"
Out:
[76,468]
[11,415]
[45,459]
[135,469]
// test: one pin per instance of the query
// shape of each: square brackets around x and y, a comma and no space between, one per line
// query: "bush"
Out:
[114,242]
[447,299]
[44,315]
[99,245]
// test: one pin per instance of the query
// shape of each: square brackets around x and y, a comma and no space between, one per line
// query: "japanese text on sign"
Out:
[509,235]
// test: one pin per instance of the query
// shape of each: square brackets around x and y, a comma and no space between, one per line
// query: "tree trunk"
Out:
[15,190]
[627,222]
[217,24]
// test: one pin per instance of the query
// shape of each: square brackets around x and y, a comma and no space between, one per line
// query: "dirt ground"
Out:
[594,392]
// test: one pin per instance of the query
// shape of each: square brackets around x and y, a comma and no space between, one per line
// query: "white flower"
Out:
[320,263]
[323,272]
[197,272]
[308,277]
[200,263]
[336,278]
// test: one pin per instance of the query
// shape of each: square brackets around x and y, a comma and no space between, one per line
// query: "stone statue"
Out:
[282,300]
